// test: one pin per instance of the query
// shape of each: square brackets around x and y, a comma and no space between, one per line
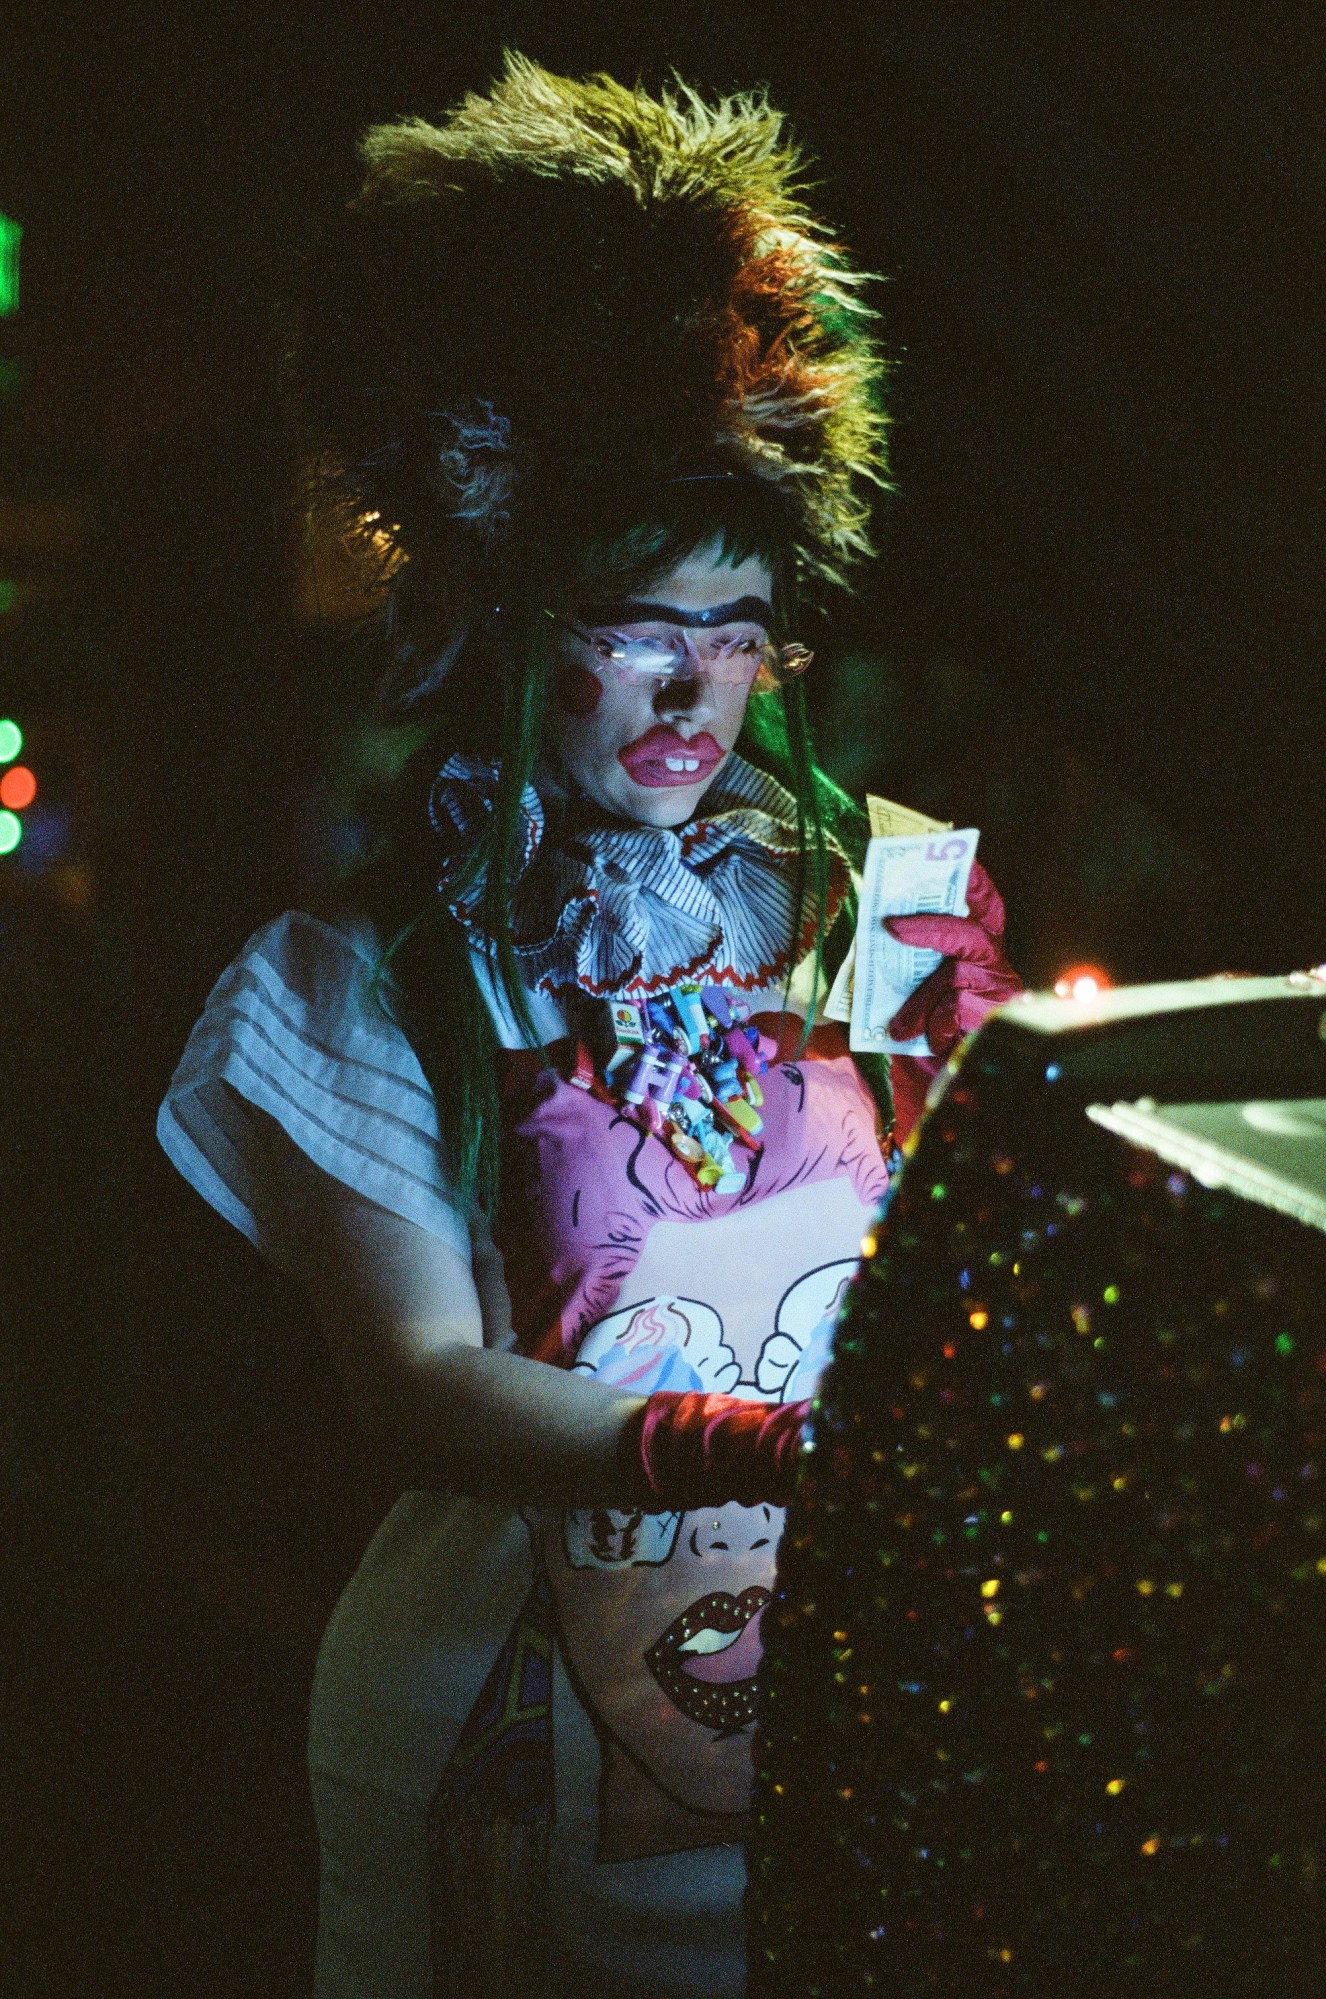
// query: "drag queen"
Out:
[544,1112]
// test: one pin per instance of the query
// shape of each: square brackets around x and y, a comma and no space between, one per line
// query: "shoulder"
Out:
[313,994]
[299,1027]
[325,977]
[311,954]
[338,964]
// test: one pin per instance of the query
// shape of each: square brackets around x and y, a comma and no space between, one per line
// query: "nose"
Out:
[689,696]
[734,1530]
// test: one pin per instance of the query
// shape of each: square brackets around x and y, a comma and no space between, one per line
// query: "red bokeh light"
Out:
[1082,982]
[18,787]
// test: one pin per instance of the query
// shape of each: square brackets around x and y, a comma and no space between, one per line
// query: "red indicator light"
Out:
[1082,982]
[18,787]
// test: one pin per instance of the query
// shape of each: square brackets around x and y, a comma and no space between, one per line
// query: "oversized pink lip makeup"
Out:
[661,758]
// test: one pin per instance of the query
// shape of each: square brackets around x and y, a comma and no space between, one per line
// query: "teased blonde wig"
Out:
[567,293]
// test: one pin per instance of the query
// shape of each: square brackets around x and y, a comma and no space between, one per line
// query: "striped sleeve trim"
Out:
[294,1029]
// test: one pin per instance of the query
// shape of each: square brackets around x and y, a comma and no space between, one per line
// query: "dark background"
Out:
[1092,632]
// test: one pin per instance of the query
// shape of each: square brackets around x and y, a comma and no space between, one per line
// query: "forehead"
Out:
[705,578]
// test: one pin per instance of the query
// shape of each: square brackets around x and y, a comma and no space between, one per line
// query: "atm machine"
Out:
[1044,1682]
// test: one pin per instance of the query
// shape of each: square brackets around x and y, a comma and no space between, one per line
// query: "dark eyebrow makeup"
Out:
[637,611]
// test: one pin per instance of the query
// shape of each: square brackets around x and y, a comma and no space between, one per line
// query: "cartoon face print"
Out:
[663,1654]
[796,1354]
[660,1613]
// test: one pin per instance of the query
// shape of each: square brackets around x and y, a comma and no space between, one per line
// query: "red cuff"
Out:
[707,1450]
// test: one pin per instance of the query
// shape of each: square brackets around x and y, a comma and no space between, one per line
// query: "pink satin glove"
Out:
[974,978]
[705,1450]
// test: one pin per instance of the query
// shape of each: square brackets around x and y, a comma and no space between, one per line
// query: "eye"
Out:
[606,648]
[649,655]
[613,1537]
[607,1537]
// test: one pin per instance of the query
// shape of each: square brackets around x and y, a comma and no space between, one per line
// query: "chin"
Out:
[653,805]
[666,808]
[643,804]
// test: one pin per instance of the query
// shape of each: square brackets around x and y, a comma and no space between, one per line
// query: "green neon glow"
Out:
[11,741]
[11,831]
[11,235]
[8,593]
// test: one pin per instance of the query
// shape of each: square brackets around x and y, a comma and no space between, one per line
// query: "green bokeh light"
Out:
[8,596]
[11,741]
[11,831]
[11,235]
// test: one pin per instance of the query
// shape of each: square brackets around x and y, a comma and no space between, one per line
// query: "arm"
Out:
[278,1150]
[402,1318]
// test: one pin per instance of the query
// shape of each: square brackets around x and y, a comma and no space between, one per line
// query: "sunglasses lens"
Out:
[736,656]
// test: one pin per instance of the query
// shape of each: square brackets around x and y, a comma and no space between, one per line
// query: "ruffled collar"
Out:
[623,911]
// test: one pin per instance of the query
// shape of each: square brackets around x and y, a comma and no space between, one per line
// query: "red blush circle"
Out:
[579,691]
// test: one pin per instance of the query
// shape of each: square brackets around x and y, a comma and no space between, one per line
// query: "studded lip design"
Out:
[691,1679]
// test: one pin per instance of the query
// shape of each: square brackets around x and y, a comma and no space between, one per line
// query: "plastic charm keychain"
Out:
[686,1067]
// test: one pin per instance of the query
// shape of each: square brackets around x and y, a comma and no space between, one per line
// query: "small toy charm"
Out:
[684,1066]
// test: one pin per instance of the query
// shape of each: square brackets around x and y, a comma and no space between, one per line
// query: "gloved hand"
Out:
[705,1450]
[974,978]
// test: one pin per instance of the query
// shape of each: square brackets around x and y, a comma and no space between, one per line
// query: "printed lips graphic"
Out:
[707,1658]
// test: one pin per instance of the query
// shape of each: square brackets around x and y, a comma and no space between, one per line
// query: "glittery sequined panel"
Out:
[1044,1689]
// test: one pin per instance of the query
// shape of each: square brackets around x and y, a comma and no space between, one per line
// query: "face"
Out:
[684,1597]
[648,749]
[660,1615]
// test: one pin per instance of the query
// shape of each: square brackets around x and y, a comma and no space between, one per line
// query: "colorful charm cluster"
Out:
[687,1066]
[1043,1686]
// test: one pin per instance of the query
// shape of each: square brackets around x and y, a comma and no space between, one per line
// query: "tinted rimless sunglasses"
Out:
[657,642]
